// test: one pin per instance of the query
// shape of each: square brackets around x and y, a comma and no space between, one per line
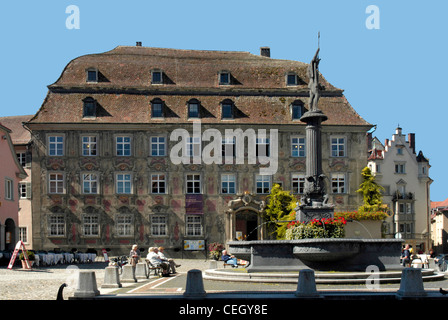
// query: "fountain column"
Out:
[314,201]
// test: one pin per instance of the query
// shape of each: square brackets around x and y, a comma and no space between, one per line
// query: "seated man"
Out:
[230,259]
[171,262]
[155,260]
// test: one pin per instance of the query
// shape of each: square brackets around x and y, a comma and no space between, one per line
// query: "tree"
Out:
[371,192]
[280,207]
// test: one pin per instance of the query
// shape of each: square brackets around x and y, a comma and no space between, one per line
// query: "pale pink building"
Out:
[11,173]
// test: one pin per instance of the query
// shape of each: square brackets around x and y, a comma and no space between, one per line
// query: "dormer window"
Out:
[297,110]
[89,108]
[224,78]
[227,109]
[156,77]
[291,79]
[92,75]
[193,109]
[157,108]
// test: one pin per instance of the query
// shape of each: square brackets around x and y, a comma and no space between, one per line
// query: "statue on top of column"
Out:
[313,73]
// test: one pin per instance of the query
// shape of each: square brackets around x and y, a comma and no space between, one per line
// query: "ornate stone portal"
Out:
[314,200]
[247,210]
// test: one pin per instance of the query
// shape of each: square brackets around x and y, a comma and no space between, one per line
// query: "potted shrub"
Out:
[31,258]
[215,249]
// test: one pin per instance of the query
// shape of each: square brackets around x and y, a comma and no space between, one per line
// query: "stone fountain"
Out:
[318,254]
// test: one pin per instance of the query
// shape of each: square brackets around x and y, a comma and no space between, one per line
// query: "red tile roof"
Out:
[439,204]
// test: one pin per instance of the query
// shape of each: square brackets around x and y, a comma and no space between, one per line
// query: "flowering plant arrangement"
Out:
[322,228]
[364,215]
[215,249]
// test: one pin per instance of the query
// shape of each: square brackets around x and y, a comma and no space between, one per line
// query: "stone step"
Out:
[320,277]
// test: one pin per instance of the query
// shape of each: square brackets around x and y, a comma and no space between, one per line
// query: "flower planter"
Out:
[24,264]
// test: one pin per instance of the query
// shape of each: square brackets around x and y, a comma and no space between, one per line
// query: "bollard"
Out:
[111,278]
[195,285]
[141,271]
[86,287]
[411,284]
[213,264]
[128,274]
[306,287]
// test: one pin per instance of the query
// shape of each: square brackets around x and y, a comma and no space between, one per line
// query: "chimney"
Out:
[138,44]
[265,52]
[411,140]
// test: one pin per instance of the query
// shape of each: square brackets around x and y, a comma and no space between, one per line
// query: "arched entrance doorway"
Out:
[246,225]
[244,218]
[10,234]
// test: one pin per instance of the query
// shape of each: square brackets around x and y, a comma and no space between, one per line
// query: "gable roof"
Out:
[19,135]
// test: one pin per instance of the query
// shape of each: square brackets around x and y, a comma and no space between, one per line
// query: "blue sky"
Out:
[392,76]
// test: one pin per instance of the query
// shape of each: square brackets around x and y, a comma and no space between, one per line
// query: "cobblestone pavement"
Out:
[42,283]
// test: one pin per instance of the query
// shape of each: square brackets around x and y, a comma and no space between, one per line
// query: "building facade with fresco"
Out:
[179,148]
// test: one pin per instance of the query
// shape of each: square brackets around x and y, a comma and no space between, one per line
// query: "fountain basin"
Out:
[325,251]
[319,254]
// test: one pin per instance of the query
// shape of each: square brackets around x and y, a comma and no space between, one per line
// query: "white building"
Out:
[404,176]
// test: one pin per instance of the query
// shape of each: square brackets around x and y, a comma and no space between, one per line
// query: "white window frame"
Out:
[159,146]
[124,224]
[89,145]
[96,75]
[193,225]
[224,83]
[159,225]
[121,181]
[298,146]
[157,182]
[58,143]
[152,76]
[193,183]
[338,146]
[56,182]
[295,79]
[24,190]
[56,225]
[263,184]
[297,183]
[23,234]
[21,156]
[120,146]
[92,181]
[91,225]
[226,180]
[338,183]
